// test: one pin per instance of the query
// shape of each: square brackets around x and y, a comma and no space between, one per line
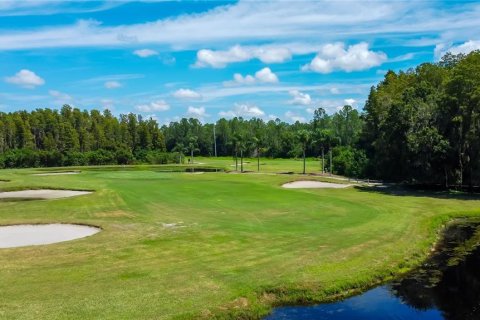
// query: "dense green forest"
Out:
[418,126]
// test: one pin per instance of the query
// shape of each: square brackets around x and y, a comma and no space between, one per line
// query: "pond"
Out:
[446,287]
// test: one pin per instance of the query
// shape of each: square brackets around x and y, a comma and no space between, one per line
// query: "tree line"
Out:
[68,137]
[421,125]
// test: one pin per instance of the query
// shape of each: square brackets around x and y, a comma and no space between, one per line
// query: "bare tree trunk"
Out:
[191,154]
[446,176]
[323,161]
[303,160]
[461,171]
[258,159]
[331,163]
[241,161]
[236,160]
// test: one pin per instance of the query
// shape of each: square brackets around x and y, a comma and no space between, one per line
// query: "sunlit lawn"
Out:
[240,242]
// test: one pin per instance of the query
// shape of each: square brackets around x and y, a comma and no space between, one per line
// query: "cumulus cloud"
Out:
[350,101]
[294,117]
[335,56]
[220,59]
[242,110]
[187,94]
[112,84]
[466,47]
[159,105]
[198,113]
[26,79]
[264,75]
[145,53]
[300,98]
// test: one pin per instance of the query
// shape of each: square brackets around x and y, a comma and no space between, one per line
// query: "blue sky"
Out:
[212,59]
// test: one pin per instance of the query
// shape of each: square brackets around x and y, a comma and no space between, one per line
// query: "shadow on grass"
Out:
[19,199]
[409,191]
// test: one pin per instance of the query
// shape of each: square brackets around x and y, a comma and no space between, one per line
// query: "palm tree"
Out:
[192,146]
[242,146]
[256,144]
[303,136]
[239,143]
[180,148]
[322,137]
[234,143]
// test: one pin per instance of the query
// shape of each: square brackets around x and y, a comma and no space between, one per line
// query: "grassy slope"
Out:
[243,236]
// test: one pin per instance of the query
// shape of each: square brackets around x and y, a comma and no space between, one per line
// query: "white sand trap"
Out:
[33,235]
[41,194]
[314,184]
[56,173]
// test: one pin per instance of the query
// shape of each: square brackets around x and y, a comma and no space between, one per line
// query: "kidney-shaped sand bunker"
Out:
[308,184]
[22,235]
[41,194]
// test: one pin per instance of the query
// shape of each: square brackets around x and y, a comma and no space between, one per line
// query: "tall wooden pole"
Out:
[214,140]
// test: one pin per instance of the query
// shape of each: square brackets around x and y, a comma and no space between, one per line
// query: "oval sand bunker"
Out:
[41,194]
[314,185]
[33,235]
[60,173]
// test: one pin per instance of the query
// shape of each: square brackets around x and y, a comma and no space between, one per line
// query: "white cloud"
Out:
[264,75]
[242,110]
[239,79]
[212,92]
[50,7]
[294,117]
[466,47]
[159,105]
[60,98]
[26,79]
[263,21]
[334,90]
[237,53]
[198,113]
[187,94]
[335,56]
[145,53]
[350,101]
[112,84]
[300,98]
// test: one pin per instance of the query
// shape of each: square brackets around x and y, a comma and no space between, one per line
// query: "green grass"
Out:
[245,244]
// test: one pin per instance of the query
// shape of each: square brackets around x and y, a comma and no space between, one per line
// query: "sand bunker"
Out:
[38,234]
[41,194]
[56,173]
[314,184]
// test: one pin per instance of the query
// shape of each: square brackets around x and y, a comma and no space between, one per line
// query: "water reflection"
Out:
[446,287]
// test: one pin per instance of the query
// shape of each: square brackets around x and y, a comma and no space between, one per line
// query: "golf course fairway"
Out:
[214,245]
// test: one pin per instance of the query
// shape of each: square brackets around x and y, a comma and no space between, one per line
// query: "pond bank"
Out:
[446,286]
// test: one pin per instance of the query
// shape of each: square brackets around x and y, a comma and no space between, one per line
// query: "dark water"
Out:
[446,287]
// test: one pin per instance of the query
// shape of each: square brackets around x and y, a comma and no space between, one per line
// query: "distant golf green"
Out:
[215,245]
